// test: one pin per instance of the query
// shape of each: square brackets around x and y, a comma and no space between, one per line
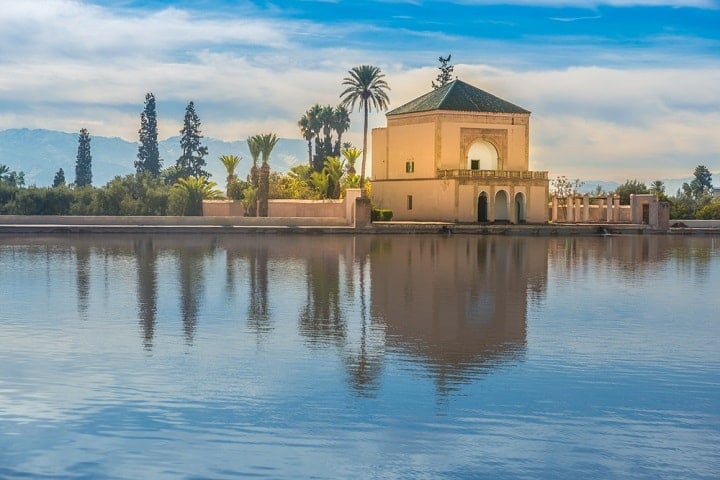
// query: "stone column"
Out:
[616,209]
[586,208]
[554,209]
[362,212]
[609,212]
[601,205]
[578,209]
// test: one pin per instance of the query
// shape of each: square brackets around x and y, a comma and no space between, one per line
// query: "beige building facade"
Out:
[458,154]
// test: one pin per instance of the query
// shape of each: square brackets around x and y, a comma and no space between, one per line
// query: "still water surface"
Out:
[359,357]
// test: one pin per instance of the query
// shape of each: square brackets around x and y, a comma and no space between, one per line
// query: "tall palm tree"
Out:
[266,142]
[230,162]
[341,124]
[307,133]
[254,147]
[366,87]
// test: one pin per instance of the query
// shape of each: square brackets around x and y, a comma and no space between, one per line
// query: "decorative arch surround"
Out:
[502,206]
[496,137]
[520,208]
[482,155]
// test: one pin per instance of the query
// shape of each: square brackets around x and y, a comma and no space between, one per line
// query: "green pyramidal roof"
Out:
[459,96]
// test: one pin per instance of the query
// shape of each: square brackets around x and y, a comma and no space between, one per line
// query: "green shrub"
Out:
[178,200]
[381,215]
[235,190]
[7,198]
[711,211]
[43,201]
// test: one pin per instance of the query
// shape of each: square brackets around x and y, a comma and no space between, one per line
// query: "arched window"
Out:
[482,156]
[502,212]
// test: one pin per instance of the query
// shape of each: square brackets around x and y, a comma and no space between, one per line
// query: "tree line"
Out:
[179,189]
[693,200]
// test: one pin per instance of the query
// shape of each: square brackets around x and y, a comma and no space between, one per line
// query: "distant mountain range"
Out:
[41,153]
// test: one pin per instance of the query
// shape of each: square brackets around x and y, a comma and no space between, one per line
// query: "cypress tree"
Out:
[191,162]
[83,165]
[148,157]
[59,179]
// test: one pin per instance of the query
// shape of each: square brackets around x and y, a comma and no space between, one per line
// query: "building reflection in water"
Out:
[458,304]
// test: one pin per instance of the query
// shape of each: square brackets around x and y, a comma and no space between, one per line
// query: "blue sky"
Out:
[618,89]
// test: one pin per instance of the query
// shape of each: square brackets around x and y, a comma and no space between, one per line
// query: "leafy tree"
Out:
[657,187]
[565,189]
[148,156]
[702,183]
[445,74]
[293,184]
[171,175]
[230,162]
[59,179]
[693,197]
[711,211]
[191,161]
[367,88]
[628,188]
[599,191]
[83,164]
[10,178]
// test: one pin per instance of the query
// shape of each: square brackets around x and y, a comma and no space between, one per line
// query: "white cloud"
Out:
[712,4]
[68,65]
[594,122]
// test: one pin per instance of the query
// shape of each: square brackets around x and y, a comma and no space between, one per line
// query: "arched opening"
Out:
[482,212]
[520,208]
[502,210]
[482,156]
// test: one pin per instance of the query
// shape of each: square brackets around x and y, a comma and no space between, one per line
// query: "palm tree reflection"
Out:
[258,311]
[147,288]
[321,320]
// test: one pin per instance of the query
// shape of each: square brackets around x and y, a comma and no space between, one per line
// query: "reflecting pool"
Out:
[408,356]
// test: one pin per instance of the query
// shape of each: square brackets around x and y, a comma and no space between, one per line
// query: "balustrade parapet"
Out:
[467,173]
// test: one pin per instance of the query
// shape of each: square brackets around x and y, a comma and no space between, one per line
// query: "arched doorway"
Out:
[482,212]
[482,155]
[502,210]
[520,208]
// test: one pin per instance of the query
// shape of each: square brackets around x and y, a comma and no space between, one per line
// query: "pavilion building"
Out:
[458,154]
